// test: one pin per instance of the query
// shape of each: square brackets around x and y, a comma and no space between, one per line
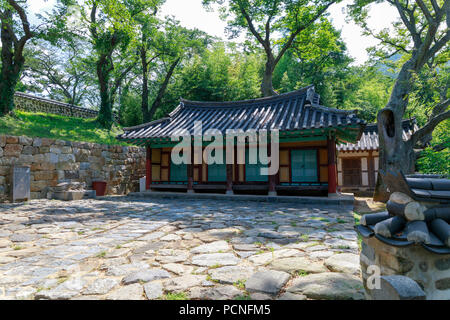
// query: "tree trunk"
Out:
[105,113]
[162,89]
[266,84]
[144,104]
[9,79]
[395,154]
[12,65]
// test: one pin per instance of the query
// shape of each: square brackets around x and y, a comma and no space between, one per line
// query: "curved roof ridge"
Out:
[146,124]
[189,103]
[328,109]
[373,126]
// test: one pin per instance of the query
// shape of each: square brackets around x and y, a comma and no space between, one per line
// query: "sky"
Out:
[191,14]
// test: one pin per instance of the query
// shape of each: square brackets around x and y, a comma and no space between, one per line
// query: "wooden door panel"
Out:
[351,169]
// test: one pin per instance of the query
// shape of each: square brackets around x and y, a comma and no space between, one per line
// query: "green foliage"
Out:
[219,74]
[131,112]
[57,127]
[318,56]
[60,70]
[436,158]
[113,28]
[367,90]
[175,296]
[273,24]
[432,161]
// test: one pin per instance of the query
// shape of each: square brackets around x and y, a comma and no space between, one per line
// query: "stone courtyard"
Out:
[127,248]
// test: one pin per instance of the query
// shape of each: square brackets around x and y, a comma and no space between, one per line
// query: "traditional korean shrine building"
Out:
[358,162]
[308,133]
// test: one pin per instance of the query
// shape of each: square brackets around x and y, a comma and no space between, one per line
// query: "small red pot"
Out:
[99,187]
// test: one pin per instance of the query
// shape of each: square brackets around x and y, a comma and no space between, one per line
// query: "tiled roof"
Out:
[295,110]
[369,138]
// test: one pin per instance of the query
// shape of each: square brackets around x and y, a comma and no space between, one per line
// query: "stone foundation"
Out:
[430,271]
[55,161]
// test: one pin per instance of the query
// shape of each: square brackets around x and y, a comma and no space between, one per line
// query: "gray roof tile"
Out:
[369,138]
[289,111]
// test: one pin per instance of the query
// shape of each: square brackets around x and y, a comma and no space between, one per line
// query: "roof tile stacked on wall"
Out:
[369,138]
[31,103]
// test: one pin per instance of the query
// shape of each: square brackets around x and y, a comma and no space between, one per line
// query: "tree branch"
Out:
[163,88]
[429,126]
[252,27]
[425,11]
[120,79]
[410,25]
[23,18]
[299,29]
[440,107]
[93,27]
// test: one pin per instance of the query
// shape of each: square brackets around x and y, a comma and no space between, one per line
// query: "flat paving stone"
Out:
[183,283]
[231,274]
[328,286]
[22,237]
[130,292]
[145,276]
[153,290]
[267,281]
[215,259]
[291,296]
[64,291]
[100,286]
[171,237]
[4,243]
[204,248]
[260,296]
[178,268]
[297,264]
[216,246]
[344,262]
[262,258]
[216,293]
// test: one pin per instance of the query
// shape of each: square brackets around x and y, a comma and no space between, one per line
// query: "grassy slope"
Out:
[46,125]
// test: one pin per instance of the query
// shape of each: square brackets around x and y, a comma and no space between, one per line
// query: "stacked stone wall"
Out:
[430,271]
[55,161]
[30,103]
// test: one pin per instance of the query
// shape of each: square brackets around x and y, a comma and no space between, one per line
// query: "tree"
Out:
[161,51]
[112,26]
[15,34]
[221,72]
[420,36]
[61,70]
[263,18]
[318,56]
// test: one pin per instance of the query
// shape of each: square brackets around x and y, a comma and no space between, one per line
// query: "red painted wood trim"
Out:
[332,175]
[148,168]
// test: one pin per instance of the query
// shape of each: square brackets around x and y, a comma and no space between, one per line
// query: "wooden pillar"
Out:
[332,175]
[190,173]
[229,178]
[371,170]
[229,168]
[148,169]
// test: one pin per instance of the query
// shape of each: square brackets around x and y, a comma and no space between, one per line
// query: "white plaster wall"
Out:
[365,178]
[364,164]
